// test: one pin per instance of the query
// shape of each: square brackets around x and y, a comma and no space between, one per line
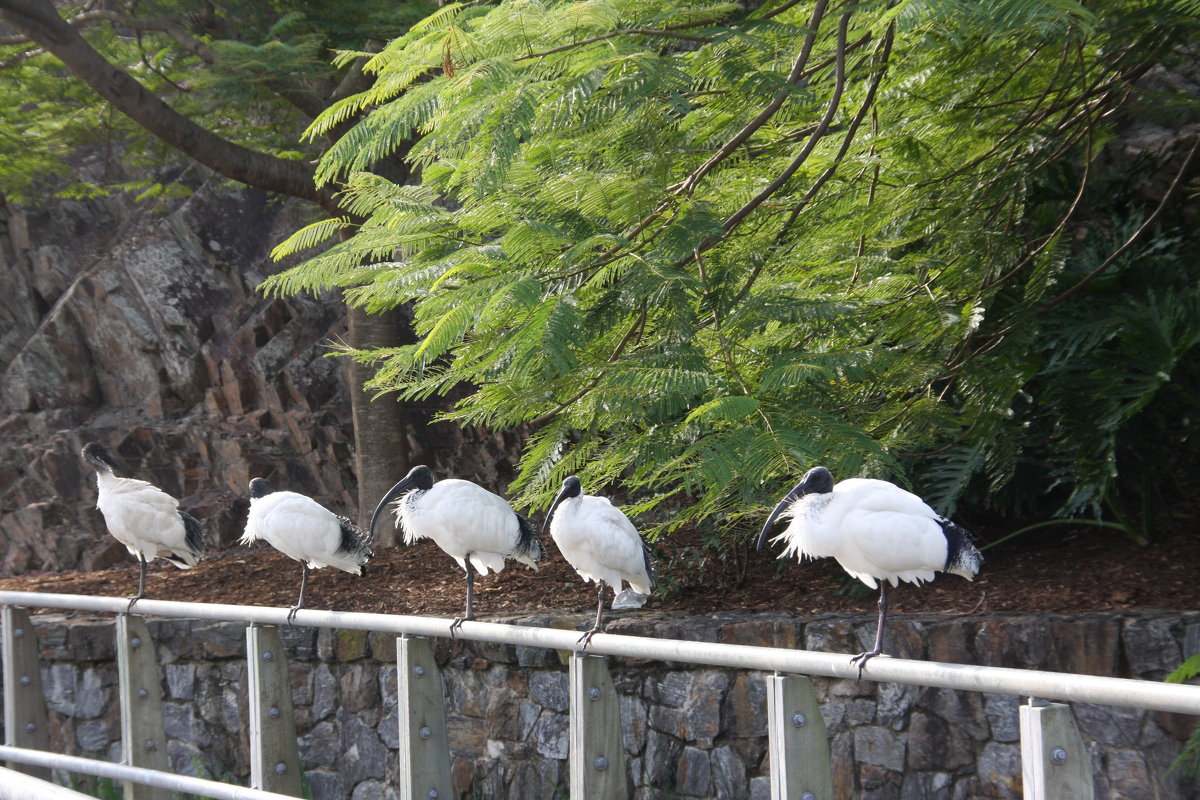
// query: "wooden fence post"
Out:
[274,748]
[596,757]
[143,740]
[801,765]
[25,718]
[421,709]
[1054,763]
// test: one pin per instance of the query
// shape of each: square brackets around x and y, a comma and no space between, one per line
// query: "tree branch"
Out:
[1150,220]
[670,31]
[885,50]
[745,133]
[868,103]
[38,20]
[835,101]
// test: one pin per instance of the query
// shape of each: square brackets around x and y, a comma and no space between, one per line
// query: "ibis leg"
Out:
[470,611]
[598,625]
[300,600]
[141,592]
[862,658]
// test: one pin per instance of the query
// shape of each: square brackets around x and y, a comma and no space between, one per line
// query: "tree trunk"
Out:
[380,427]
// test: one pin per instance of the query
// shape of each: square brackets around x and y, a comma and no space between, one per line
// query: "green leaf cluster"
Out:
[695,248]
[254,73]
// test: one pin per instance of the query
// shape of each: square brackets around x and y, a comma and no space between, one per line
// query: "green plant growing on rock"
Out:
[1188,761]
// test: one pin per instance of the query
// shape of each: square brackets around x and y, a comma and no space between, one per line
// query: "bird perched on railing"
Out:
[303,529]
[144,518]
[476,528]
[600,542]
[876,531]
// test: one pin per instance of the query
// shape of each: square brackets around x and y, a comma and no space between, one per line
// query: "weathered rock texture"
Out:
[688,731]
[146,331]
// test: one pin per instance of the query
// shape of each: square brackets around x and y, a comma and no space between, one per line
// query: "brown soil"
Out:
[1080,570]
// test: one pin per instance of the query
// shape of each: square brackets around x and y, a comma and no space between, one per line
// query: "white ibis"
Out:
[878,533]
[476,528]
[600,542]
[303,529]
[144,518]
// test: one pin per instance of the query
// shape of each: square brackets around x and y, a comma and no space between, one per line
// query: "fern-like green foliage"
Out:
[696,248]
[236,71]
[1188,762]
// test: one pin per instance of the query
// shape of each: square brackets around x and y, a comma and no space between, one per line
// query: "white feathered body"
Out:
[600,542]
[876,531]
[466,521]
[145,519]
[303,529]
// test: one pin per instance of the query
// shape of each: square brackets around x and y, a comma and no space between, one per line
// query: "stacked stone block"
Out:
[689,731]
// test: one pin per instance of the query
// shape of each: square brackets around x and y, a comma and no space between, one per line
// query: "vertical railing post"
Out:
[801,765]
[1054,763]
[421,710]
[596,757]
[143,740]
[25,718]
[274,748]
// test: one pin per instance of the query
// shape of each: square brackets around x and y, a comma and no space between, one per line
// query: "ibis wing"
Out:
[141,516]
[297,526]
[869,494]
[608,548]
[892,545]
[462,517]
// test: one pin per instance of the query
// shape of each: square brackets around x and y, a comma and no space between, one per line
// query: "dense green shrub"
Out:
[695,249]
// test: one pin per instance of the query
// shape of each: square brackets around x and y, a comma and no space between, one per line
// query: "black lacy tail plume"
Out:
[193,533]
[651,564]
[527,541]
[354,540]
[962,556]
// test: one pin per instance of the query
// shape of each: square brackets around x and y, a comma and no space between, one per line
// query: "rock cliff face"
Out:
[145,332]
[689,732]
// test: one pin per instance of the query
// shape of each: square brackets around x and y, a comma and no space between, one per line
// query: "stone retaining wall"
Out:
[689,731]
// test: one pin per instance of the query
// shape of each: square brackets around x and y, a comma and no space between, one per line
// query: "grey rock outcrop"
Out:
[145,329]
[146,332]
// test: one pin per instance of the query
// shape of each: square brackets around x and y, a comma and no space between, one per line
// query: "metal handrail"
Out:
[19,786]
[1069,687]
[202,787]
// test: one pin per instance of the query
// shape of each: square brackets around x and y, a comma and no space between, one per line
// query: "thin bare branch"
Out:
[835,101]
[1150,220]
[884,53]
[769,111]
[670,31]
[38,20]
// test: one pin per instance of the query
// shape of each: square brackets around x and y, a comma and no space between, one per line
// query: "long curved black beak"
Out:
[562,495]
[791,497]
[406,484]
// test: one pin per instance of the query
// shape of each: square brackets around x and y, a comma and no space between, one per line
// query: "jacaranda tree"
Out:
[695,248]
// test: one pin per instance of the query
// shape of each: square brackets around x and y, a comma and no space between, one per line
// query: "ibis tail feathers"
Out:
[353,550]
[962,556]
[193,544]
[193,536]
[528,549]
[652,580]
